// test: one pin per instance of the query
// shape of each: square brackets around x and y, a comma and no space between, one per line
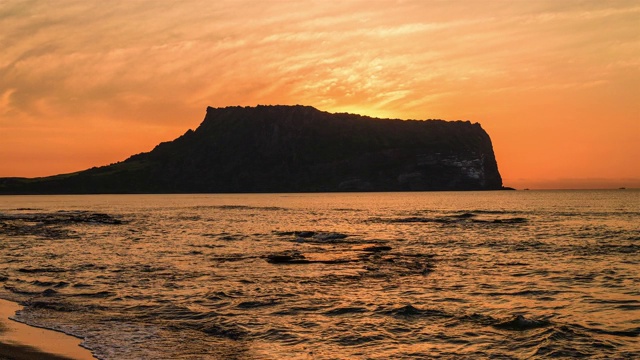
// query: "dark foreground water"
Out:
[528,274]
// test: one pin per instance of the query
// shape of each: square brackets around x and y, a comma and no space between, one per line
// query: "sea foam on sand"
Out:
[20,341]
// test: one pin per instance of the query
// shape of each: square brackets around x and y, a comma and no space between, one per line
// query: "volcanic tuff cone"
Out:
[294,149]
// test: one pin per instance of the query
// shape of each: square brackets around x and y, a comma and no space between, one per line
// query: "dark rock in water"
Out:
[376,248]
[293,149]
[59,284]
[53,225]
[516,220]
[295,257]
[41,270]
[329,236]
[305,234]
[49,292]
[287,257]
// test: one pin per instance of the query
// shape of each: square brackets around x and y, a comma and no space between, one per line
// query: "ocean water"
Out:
[508,274]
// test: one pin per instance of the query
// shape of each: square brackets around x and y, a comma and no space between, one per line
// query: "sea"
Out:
[423,275]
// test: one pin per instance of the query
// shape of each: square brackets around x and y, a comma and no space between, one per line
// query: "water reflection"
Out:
[331,275]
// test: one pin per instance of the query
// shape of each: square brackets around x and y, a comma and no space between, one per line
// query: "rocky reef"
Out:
[294,149]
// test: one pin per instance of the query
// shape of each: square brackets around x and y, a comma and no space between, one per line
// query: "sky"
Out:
[556,84]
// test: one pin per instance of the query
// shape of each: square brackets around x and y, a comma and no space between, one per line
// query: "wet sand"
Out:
[22,342]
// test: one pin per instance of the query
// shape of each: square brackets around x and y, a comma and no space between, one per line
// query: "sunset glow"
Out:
[555,84]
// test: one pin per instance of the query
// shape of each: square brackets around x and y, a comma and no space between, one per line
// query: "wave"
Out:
[346,310]
[520,323]
[55,284]
[241,207]
[465,218]
[257,304]
[409,310]
[314,236]
[49,269]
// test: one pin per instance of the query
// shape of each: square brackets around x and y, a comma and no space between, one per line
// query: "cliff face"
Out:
[294,149]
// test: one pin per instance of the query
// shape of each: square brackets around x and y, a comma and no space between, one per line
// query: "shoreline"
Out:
[19,341]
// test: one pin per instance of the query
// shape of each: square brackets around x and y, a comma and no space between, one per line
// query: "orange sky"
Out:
[555,83]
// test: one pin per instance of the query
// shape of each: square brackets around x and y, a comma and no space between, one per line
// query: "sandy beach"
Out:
[22,342]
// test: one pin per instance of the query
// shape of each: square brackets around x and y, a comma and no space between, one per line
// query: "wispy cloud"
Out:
[159,64]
